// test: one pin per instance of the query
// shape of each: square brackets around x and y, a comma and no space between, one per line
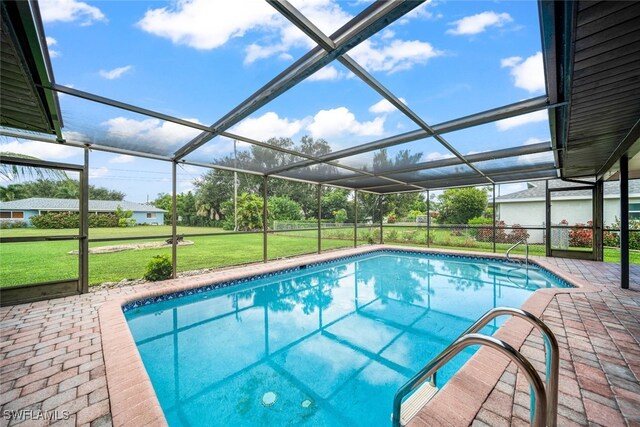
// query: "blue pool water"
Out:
[331,343]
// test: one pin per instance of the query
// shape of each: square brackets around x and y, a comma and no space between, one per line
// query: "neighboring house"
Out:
[527,207]
[24,209]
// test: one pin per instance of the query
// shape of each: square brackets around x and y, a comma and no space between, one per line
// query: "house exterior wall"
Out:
[526,214]
[532,213]
[141,218]
[27,214]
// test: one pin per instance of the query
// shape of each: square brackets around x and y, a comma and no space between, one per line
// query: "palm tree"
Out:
[11,172]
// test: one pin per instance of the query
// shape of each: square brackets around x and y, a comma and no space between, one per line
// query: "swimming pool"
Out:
[325,344]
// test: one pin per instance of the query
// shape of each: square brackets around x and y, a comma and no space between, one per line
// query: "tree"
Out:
[249,212]
[12,172]
[459,205]
[58,189]
[125,218]
[333,200]
[186,208]
[282,208]
[215,188]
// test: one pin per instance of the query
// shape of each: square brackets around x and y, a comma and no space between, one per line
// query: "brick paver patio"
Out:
[52,364]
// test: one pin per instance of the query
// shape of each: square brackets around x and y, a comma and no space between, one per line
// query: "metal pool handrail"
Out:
[526,248]
[552,358]
[539,401]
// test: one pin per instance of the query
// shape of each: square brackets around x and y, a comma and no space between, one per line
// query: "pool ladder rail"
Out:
[518,243]
[544,396]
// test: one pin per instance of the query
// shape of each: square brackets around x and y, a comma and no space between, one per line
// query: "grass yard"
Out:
[45,261]
[35,262]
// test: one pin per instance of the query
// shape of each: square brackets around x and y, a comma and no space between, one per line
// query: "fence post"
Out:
[319,218]
[355,219]
[84,225]
[494,218]
[428,220]
[174,221]
[381,201]
[265,224]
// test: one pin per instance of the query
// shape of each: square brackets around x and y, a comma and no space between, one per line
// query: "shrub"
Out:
[517,233]
[340,215]
[12,224]
[392,218]
[481,234]
[103,220]
[56,220]
[409,235]
[611,239]
[581,237]
[159,268]
[392,236]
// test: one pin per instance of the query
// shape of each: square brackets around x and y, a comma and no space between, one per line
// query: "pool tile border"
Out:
[133,399]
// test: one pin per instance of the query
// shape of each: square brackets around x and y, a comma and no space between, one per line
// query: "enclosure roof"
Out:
[23,103]
[50,204]
[583,107]
[594,67]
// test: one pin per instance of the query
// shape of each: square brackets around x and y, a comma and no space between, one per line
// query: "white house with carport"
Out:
[24,209]
[527,207]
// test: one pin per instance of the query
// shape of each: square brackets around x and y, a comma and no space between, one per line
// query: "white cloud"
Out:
[266,126]
[123,158]
[100,172]
[512,122]
[74,136]
[387,34]
[150,131]
[52,52]
[340,121]
[327,73]
[384,106]
[327,15]
[433,156]
[419,12]
[528,74]
[475,24]
[42,150]
[207,24]
[546,157]
[116,73]
[394,56]
[70,11]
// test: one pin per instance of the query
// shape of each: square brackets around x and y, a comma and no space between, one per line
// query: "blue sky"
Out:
[198,59]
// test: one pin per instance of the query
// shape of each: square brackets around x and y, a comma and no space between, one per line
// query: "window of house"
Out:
[12,215]
[634,210]
[151,215]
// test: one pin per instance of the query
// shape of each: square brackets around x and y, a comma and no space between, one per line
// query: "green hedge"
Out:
[72,220]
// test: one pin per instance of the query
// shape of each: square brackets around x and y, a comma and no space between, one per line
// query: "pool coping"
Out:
[134,402]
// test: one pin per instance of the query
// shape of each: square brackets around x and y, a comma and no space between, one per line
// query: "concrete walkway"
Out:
[52,365]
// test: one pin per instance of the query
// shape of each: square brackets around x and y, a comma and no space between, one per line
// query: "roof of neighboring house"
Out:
[537,190]
[47,204]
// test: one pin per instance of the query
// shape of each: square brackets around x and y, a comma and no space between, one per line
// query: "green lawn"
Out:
[35,262]
[44,261]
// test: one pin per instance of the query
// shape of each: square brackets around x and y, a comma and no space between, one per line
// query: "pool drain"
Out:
[269,398]
[306,403]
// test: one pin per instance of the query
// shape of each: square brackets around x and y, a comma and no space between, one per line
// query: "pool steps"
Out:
[414,403]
